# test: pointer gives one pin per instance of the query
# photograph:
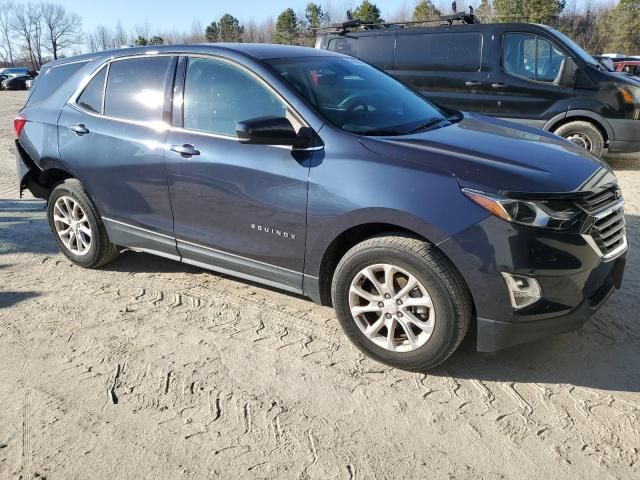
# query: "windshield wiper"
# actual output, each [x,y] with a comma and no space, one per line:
[428,124]
[381,132]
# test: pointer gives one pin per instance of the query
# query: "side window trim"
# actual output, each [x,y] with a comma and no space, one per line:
[536,37]
[179,120]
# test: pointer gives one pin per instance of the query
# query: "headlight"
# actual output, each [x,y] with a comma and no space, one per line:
[556,214]
[630,93]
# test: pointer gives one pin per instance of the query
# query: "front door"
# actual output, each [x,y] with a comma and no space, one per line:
[238,208]
[525,79]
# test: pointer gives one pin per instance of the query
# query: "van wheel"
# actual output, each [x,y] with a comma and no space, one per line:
[584,134]
[77,226]
[401,302]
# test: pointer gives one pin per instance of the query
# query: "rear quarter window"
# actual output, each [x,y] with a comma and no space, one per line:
[454,52]
[51,79]
[374,49]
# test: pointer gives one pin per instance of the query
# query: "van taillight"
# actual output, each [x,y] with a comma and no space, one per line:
[18,125]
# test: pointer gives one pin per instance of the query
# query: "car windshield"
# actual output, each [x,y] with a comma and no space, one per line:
[357,97]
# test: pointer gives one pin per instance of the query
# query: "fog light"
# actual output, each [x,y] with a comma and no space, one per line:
[524,291]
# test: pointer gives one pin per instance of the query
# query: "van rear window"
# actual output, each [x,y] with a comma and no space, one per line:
[51,79]
[457,52]
[374,49]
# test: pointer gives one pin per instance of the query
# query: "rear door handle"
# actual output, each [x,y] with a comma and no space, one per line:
[187,150]
[499,86]
[79,129]
[473,83]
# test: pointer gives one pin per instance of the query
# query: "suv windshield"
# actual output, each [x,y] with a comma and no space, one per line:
[358,98]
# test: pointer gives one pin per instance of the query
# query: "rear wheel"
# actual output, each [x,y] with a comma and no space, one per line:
[584,134]
[77,226]
[401,302]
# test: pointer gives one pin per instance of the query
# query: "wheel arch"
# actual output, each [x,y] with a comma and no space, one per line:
[582,116]
[350,237]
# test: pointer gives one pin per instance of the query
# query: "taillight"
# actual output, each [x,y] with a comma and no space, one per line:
[18,124]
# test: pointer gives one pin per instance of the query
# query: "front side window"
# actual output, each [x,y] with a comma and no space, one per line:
[217,96]
[531,57]
[135,88]
[357,97]
[91,97]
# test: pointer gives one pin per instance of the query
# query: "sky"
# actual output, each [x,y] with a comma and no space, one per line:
[180,14]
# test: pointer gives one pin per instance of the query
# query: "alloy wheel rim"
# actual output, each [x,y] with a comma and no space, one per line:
[580,139]
[391,307]
[72,225]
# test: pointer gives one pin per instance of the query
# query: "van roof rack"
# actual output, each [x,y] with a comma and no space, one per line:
[356,24]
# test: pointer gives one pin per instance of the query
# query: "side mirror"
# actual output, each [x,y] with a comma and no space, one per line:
[567,73]
[272,130]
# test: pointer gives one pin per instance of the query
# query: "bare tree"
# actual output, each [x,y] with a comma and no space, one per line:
[27,23]
[6,11]
[64,29]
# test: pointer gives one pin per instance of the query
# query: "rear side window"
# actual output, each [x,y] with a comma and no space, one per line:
[135,88]
[374,49]
[51,79]
[91,97]
[453,52]
[531,57]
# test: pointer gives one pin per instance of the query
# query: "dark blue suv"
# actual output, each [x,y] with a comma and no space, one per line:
[313,172]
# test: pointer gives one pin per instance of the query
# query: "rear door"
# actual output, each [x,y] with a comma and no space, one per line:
[236,207]
[524,78]
[114,143]
[446,67]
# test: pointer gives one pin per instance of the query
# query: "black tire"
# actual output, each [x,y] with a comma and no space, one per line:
[583,133]
[449,294]
[101,250]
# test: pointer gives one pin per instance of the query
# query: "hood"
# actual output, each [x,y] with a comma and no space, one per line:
[496,156]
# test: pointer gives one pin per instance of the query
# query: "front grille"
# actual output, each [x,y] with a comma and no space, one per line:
[608,231]
[600,200]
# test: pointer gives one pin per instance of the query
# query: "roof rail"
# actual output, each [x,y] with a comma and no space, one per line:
[356,24]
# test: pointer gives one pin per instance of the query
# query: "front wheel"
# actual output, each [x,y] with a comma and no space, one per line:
[583,134]
[77,226]
[400,301]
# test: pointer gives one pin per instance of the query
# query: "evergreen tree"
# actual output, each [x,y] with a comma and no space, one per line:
[287,29]
[314,18]
[366,12]
[484,10]
[212,33]
[141,41]
[156,40]
[533,11]
[425,10]
[229,28]
[623,28]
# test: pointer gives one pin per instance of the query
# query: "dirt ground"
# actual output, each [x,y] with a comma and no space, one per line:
[153,369]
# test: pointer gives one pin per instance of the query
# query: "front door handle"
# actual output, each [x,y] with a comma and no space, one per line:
[187,150]
[473,84]
[79,129]
[499,86]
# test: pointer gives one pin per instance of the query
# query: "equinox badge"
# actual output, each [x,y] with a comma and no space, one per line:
[273,231]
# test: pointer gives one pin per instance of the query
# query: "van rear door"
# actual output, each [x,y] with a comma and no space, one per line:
[445,66]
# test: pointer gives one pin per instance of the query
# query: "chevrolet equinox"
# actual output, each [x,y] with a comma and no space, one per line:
[313,172]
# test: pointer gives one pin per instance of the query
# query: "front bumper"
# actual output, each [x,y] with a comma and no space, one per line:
[627,135]
[574,278]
